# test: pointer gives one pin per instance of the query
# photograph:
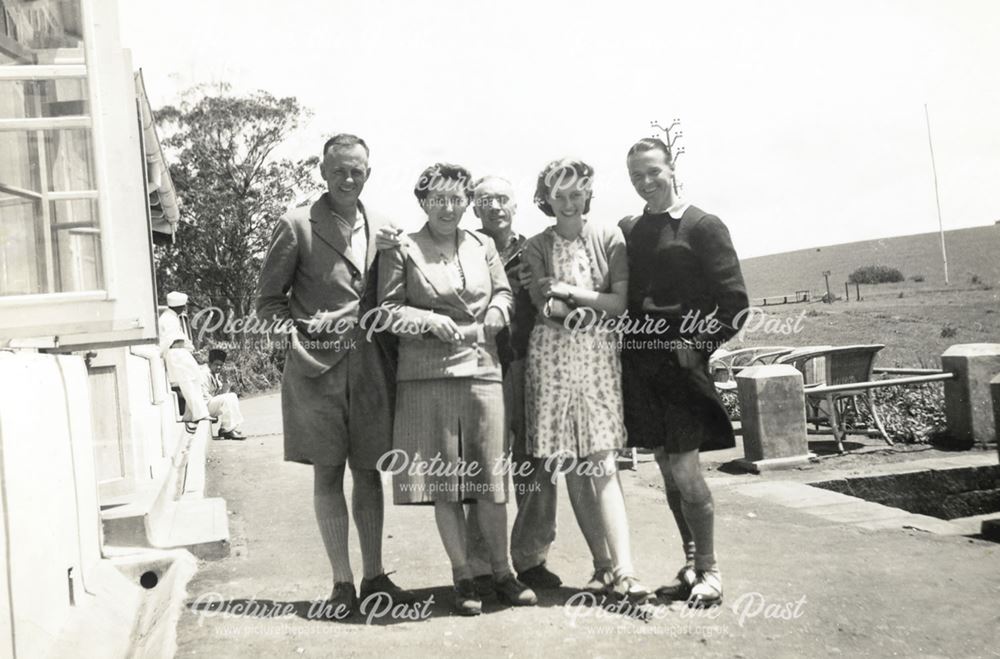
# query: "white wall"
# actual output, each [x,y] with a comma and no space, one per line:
[50,508]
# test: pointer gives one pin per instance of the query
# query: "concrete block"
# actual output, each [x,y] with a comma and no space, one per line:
[773,417]
[995,394]
[968,402]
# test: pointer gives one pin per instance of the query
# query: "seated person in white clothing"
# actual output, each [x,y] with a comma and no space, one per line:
[183,370]
[222,403]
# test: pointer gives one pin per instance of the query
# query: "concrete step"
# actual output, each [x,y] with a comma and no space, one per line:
[199,525]
[172,512]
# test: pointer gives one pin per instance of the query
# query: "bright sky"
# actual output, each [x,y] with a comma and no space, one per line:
[803,121]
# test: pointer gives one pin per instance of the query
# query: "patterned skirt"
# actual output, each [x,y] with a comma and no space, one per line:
[573,393]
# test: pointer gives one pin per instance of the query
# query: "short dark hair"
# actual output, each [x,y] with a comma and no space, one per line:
[557,169]
[345,141]
[216,355]
[652,144]
[443,171]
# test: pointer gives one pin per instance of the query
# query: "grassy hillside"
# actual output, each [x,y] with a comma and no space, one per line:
[974,251]
[916,321]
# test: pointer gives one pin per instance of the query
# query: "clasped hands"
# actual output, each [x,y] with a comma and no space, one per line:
[447,330]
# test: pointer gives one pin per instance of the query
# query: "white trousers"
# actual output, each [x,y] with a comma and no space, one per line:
[183,370]
[227,408]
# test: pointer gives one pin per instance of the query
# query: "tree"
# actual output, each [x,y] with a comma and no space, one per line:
[232,189]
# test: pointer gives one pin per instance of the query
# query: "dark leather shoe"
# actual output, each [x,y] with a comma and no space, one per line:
[383,584]
[539,577]
[341,603]
[467,601]
[231,434]
[484,585]
[513,592]
[680,587]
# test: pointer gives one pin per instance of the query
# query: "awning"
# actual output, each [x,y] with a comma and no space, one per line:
[162,197]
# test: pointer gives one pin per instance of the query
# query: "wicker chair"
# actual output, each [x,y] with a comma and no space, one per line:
[842,366]
[724,364]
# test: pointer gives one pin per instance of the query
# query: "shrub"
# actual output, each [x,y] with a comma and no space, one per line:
[875,274]
[250,368]
[731,401]
[948,331]
[917,278]
[910,414]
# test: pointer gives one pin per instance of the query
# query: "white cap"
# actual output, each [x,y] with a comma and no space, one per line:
[175,299]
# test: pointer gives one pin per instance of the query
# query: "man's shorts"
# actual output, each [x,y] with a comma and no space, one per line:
[343,415]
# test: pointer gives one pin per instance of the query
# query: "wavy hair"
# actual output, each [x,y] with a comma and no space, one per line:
[561,173]
[443,172]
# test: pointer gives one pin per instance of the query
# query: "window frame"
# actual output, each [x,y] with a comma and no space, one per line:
[123,310]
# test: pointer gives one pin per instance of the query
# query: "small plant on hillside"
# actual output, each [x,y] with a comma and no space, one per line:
[917,278]
[948,331]
[978,282]
[875,274]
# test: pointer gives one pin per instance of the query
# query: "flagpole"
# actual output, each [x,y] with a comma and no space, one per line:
[937,196]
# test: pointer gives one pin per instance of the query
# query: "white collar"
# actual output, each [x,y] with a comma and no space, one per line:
[676,211]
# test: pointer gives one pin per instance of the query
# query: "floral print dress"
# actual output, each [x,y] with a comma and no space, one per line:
[573,385]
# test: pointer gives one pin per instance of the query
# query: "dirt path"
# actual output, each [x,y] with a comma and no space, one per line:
[855,592]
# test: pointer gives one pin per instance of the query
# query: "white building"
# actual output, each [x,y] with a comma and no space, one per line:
[100,483]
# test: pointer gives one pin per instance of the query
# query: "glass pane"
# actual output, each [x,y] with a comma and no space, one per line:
[21,99]
[55,160]
[58,252]
[68,154]
[19,160]
[40,32]
[76,246]
[22,247]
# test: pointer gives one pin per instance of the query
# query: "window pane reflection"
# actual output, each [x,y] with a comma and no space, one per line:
[76,246]
[21,99]
[50,239]
[41,32]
